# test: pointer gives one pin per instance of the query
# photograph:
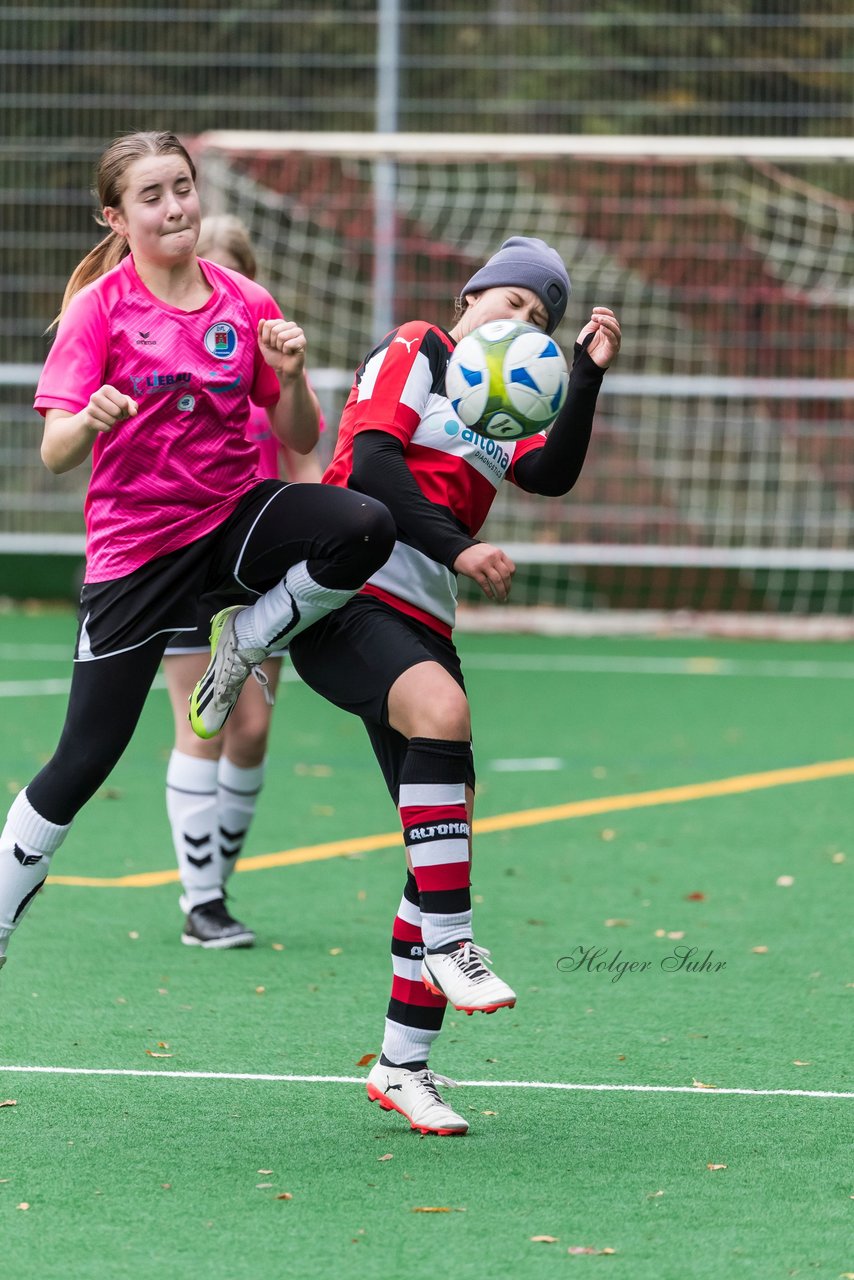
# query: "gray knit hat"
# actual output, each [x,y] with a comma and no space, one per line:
[530,264]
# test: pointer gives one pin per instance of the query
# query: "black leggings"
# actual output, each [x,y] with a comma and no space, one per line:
[345,537]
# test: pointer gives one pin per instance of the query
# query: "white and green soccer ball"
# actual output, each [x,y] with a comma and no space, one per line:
[507,380]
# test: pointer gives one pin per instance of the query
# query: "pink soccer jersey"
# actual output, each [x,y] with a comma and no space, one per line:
[169,475]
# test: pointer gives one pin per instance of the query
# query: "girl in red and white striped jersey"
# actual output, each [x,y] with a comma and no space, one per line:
[388,655]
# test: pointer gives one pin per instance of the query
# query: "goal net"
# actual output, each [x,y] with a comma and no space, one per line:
[721,473]
[720,478]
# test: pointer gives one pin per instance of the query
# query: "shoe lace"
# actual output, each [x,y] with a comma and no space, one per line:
[429,1079]
[472,960]
[264,681]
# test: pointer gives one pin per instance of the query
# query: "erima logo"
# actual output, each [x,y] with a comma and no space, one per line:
[145,339]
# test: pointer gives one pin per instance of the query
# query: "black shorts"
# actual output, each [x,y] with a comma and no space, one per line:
[353,657]
[162,596]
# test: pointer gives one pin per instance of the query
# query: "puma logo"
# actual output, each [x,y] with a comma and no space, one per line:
[408,344]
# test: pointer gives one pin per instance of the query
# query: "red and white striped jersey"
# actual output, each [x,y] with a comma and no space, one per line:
[400,389]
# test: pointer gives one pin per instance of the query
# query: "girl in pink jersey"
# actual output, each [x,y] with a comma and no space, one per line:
[212,785]
[156,360]
[388,656]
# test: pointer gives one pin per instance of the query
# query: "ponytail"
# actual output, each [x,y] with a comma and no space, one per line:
[107,254]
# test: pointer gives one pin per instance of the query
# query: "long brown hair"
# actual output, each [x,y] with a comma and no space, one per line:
[109,188]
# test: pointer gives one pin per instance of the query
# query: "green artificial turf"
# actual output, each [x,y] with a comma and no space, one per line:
[97,979]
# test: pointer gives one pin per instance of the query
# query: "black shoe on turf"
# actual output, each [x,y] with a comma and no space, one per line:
[211,926]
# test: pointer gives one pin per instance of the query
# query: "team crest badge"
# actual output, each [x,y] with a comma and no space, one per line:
[221,340]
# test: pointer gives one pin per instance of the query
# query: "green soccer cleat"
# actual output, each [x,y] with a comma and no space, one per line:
[214,697]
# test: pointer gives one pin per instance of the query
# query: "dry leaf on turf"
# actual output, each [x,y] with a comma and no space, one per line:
[698,1084]
[284,1195]
[152,1054]
[617,924]
[653,1195]
[586,1248]
[263,1170]
[263,1186]
[785,882]
[759,951]
[432,1208]
[713,1167]
[695,897]
[797,1063]
[544,1239]
[387,1156]
[22,1205]
[365,1059]
[10,1102]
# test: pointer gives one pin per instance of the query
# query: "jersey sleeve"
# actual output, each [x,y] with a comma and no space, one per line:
[262,306]
[398,378]
[77,360]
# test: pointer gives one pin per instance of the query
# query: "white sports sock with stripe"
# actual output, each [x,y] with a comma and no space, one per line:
[27,844]
[286,610]
[191,802]
[237,797]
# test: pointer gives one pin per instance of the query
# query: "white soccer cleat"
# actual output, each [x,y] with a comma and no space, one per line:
[415,1096]
[461,976]
[214,697]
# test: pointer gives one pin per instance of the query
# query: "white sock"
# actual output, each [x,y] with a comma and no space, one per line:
[407,1044]
[237,796]
[286,610]
[191,802]
[27,843]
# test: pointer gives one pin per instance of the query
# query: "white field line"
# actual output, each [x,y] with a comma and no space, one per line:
[478,1084]
[542,663]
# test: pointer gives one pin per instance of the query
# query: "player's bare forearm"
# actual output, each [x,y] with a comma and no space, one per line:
[69,437]
[295,419]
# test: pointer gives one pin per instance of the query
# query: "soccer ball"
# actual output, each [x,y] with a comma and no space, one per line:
[507,380]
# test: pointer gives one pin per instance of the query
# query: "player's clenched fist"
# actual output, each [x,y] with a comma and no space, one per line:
[107,406]
[282,344]
[489,567]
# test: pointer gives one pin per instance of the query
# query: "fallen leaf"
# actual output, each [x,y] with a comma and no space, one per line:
[695,897]
[430,1208]
[676,934]
[838,857]
[263,1171]
[133,934]
[10,1102]
[698,1084]
[617,924]
[785,882]
[365,1059]
[152,1054]
[715,1166]
[167,1186]
[544,1239]
[653,1195]
[336,951]
[759,951]
[263,1186]
[580,1248]
[284,1195]
[22,1205]
[660,933]
[259,991]
[621,1057]
[161,1044]
[387,1156]
[797,1063]
[489,1113]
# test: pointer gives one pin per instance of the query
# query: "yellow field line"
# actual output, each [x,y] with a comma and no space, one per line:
[502,822]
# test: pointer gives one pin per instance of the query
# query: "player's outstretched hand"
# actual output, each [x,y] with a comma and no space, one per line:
[605,327]
[489,567]
[282,344]
[106,407]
